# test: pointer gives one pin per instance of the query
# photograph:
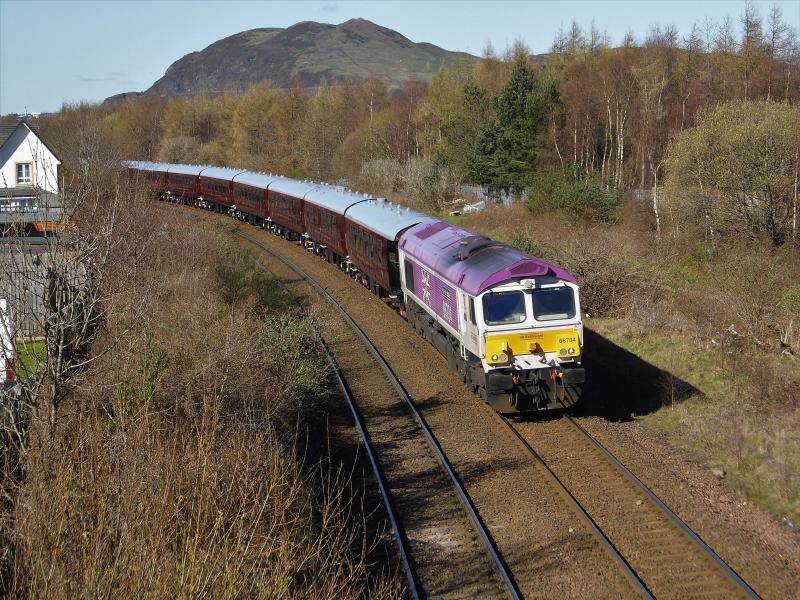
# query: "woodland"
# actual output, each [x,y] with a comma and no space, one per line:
[591,114]
[146,454]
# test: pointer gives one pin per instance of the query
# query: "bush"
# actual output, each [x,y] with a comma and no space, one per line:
[609,286]
[735,172]
[791,301]
[584,199]
[176,467]
[525,241]
[239,278]
[426,185]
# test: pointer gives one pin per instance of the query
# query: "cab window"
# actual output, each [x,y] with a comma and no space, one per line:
[550,304]
[503,307]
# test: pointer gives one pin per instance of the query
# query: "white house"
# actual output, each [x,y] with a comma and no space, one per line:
[29,198]
[25,160]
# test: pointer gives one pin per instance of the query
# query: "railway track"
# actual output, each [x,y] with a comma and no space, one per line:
[388,502]
[664,556]
[419,584]
[660,555]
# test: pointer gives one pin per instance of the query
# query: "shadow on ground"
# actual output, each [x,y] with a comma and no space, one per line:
[620,385]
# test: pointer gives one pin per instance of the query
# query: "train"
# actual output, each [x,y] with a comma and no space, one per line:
[508,323]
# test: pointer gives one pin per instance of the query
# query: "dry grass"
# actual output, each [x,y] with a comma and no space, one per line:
[176,466]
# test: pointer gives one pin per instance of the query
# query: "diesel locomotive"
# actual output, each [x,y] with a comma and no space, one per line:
[509,324]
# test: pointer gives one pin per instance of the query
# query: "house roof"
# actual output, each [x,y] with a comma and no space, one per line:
[8,129]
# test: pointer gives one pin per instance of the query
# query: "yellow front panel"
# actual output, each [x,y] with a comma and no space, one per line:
[520,343]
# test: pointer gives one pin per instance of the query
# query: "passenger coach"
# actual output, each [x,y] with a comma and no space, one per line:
[216,186]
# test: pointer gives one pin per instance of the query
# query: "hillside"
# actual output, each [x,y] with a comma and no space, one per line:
[305,54]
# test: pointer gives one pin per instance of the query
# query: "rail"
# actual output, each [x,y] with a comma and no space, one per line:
[637,583]
[377,471]
[388,503]
[726,569]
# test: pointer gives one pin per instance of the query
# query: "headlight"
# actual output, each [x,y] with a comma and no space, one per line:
[572,350]
[495,357]
[563,351]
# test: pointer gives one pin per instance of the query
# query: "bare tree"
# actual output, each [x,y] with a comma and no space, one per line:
[66,288]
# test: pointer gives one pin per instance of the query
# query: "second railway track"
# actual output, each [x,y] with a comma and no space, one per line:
[426,509]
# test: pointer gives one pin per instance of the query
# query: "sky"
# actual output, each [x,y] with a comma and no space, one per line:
[52,52]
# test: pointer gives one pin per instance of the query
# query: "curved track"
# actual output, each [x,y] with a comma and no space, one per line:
[388,503]
[470,509]
[677,563]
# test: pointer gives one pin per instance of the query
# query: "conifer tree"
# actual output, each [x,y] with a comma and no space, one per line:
[505,150]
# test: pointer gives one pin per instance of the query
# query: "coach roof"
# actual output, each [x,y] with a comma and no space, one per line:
[292,187]
[224,173]
[146,165]
[185,169]
[385,218]
[258,180]
[334,198]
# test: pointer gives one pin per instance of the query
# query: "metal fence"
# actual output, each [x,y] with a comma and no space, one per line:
[489,196]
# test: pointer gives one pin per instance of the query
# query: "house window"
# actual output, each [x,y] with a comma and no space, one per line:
[23,173]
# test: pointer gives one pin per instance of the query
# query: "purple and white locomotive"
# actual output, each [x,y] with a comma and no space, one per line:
[508,323]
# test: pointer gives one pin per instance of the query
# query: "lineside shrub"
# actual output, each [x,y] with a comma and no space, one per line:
[584,199]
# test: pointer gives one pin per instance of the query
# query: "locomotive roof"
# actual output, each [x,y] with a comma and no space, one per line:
[259,180]
[185,169]
[472,262]
[385,218]
[292,187]
[334,198]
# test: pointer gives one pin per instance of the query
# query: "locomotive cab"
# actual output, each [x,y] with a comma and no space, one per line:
[531,344]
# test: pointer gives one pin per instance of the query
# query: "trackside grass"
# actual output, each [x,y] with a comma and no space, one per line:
[176,467]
